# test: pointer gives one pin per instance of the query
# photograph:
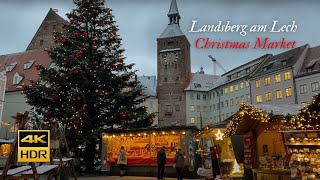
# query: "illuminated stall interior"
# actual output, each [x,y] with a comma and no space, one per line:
[142,146]
[214,136]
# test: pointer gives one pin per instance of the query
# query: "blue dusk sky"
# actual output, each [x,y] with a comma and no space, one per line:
[142,21]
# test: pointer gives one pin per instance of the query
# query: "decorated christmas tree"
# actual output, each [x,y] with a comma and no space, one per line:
[89,88]
[309,116]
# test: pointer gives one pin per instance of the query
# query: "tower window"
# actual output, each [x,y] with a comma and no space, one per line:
[175,66]
[165,67]
[41,42]
[165,79]
[177,78]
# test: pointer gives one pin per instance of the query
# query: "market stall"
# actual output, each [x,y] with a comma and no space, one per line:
[302,140]
[213,136]
[142,146]
[265,154]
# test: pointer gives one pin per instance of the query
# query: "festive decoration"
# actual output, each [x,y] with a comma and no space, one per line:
[245,110]
[219,135]
[89,58]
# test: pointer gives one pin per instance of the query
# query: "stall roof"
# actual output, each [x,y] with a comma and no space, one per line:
[150,129]
[281,109]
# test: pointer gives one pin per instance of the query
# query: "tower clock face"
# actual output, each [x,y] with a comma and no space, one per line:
[170,58]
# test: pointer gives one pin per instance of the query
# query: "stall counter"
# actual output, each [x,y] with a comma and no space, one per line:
[278,174]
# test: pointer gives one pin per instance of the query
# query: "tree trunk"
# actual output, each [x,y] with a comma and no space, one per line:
[89,156]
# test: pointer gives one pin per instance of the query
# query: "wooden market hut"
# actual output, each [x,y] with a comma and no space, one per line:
[251,123]
[142,146]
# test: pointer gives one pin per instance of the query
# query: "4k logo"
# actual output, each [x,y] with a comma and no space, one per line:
[34,146]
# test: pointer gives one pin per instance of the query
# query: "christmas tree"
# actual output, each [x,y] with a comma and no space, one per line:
[90,88]
[309,116]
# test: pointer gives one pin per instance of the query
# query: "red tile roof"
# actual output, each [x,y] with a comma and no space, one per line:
[21,58]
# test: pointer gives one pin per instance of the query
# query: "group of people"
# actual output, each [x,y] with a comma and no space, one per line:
[178,163]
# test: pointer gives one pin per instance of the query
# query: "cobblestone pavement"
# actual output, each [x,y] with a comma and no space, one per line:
[124,178]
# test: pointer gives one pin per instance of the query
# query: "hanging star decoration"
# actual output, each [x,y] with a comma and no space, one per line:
[219,135]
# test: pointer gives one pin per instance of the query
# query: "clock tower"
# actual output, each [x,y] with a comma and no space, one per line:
[173,68]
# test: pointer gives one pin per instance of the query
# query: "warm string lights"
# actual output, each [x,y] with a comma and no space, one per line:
[249,111]
[132,135]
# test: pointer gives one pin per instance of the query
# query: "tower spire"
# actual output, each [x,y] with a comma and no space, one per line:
[173,13]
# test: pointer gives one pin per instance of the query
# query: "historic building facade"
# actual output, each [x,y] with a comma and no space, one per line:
[173,70]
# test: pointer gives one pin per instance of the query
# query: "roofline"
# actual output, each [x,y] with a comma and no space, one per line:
[264,56]
[306,74]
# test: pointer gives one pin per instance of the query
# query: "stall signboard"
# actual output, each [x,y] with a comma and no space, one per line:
[248,152]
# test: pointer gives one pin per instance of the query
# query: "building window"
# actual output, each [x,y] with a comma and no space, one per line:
[237,100]
[192,120]
[204,97]
[242,99]
[268,96]
[165,67]
[258,83]
[192,108]
[277,78]
[231,102]
[259,98]
[267,81]
[204,108]
[226,90]
[303,89]
[15,80]
[218,106]
[236,87]
[247,84]
[213,107]
[168,109]
[287,75]
[178,78]
[41,42]
[227,115]
[210,108]
[177,107]
[222,105]
[198,96]
[209,96]
[284,62]
[221,92]
[315,86]
[198,108]
[231,89]
[180,98]
[279,94]
[288,91]
[165,79]
[175,66]
[191,96]
[227,103]
[213,95]
[151,104]
[198,120]
[241,85]
[248,97]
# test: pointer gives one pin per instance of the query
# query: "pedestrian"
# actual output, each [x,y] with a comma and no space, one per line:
[122,160]
[215,161]
[161,160]
[179,163]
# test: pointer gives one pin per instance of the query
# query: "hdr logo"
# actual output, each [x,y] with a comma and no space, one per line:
[33,146]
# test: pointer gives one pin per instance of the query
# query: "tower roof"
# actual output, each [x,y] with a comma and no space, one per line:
[173,9]
[173,28]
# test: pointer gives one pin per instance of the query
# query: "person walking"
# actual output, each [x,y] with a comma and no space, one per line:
[122,160]
[161,160]
[179,162]
[215,161]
